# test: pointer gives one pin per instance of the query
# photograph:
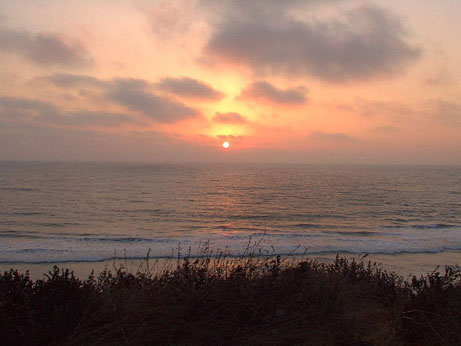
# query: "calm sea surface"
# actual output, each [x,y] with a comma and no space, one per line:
[58,212]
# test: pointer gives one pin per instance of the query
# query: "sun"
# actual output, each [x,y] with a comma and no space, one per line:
[226,145]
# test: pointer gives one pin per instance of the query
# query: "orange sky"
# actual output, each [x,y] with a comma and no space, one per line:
[337,81]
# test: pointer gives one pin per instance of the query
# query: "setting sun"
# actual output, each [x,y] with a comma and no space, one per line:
[226,145]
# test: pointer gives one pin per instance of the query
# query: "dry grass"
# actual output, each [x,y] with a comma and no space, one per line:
[244,301]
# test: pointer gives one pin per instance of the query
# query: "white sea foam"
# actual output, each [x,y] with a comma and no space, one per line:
[69,249]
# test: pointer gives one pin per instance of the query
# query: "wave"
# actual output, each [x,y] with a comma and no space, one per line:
[34,213]
[51,257]
[440,226]
[97,248]
[128,240]
[360,233]
[435,226]
[17,188]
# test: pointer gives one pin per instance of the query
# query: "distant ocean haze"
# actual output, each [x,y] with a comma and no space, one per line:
[77,212]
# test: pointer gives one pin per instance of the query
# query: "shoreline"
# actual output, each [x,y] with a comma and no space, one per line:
[403,264]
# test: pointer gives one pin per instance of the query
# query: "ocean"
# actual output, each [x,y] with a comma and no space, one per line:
[90,212]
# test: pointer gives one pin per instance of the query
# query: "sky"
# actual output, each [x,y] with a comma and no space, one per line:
[295,81]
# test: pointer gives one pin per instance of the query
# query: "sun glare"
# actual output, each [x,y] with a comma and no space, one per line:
[226,145]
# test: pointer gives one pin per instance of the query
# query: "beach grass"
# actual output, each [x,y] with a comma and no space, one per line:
[250,300]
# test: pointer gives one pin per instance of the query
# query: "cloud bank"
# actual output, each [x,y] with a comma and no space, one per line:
[231,118]
[266,92]
[69,80]
[22,111]
[367,41]
[135,95]
[320,136]
[189,88]
[43,49]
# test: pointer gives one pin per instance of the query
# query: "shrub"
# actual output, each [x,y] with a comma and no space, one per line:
[245,301]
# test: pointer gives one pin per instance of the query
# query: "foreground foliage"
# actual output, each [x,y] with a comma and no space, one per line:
[246,301]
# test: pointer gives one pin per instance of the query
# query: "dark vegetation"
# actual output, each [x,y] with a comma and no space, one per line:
[246,301]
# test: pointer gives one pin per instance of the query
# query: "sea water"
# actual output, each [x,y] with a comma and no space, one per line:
[84,212]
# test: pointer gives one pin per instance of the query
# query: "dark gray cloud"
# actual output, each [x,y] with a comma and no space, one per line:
[436,111]
[231,117]
[68,80]
[444,112]
[232,138]
[331,137]
[22,111]
[135,95]
[368,41]
[63,143]
[87,118]
[256,8]
[189,88]
[264,91]
[43,49]
[14,105]
[378,108]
